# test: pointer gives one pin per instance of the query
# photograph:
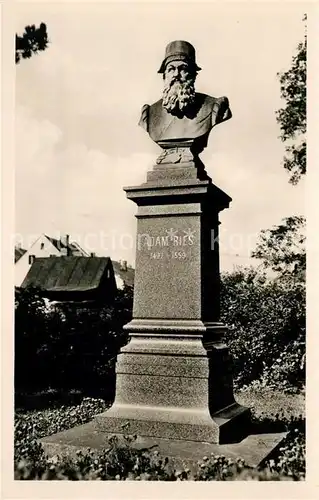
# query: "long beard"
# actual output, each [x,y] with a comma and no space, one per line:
[178,96]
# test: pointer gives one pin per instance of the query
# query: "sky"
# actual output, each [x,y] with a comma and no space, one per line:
[78,104]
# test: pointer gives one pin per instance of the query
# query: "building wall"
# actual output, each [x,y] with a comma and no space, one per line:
[119,281]
[42,247]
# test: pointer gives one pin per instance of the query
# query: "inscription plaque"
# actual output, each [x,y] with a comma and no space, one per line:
[170,247]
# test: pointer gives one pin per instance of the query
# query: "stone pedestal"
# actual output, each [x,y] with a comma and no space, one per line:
[174,378]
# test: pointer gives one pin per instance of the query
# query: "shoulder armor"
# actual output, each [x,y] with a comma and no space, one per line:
[144,117]
[224,112]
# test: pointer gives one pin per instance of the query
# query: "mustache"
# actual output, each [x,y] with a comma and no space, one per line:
[175,79]
[179,79]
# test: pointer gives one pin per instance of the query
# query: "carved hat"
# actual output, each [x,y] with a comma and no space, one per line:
[179,50]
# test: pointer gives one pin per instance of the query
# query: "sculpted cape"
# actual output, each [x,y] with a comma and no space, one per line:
[169,130]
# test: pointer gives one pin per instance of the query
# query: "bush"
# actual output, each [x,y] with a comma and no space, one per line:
[266,335]
[67,346]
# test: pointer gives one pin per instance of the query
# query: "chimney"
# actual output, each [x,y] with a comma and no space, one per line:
[65,241]
[123,265]
[18,245]
[92,254]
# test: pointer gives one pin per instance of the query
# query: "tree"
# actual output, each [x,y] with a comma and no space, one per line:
[292,117]
[31,42]
[282,248]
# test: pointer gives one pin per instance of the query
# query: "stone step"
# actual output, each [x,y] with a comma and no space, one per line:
[254,449]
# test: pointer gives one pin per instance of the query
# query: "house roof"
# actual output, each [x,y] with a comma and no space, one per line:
[67,274]
[18,252]
[127,276]
[72,246]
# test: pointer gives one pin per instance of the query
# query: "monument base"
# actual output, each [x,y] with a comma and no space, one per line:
[255,449]
[170,387]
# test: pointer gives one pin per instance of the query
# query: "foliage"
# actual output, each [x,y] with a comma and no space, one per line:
[292,118]
[71,348]
[288,371]
[291,461]
[33,425]
[266,329]
[121,461]
[31,42]
[67,346]
[282,248]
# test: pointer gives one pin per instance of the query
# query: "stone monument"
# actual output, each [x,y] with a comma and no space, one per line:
[174,377]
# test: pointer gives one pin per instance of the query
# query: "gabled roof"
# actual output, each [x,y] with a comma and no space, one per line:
[71,247]
[127,276]
[18,252]
[67,274]
[75,247]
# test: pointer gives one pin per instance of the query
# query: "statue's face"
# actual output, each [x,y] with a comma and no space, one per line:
[177,70]
[179,91]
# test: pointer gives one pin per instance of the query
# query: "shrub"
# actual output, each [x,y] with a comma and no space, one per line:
[67,346]
[266,335]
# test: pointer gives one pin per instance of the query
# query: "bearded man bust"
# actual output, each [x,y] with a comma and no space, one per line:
[181,121]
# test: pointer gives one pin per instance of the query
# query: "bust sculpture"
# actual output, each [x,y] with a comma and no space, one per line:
[181,121]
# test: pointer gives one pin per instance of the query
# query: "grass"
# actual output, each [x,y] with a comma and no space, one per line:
[270,402]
